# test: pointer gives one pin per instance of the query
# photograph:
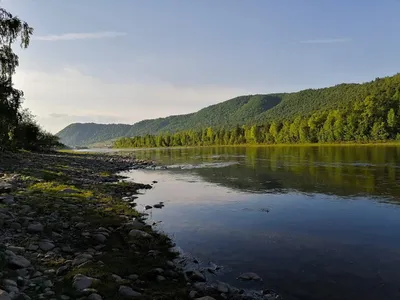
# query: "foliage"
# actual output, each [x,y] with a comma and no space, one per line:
[262,110]
[371,118]
[17,126]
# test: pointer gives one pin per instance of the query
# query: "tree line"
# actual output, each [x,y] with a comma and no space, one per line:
[18,128]
[374,118]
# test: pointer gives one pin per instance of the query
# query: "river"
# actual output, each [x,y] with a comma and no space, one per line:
[313,222]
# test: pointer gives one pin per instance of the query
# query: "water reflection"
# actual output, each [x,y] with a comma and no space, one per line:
[344,171]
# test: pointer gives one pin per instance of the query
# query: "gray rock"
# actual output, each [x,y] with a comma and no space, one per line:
[127,292]
[62,270]
[65,297]
[35,228]
[205,298]
[148,207]
[196,275]
[4,295]
[9,282]
[33,247]
[18,262]
[133,277]
[15,226]
[82,258]
[135,233]
[222,287]
[5,187]
[134,225]
[47,283]
[160,278]
[250,276]
[193,294]
[100,238]
[7,199]
[95,296]
[116,278]
[82,282]
[46,245]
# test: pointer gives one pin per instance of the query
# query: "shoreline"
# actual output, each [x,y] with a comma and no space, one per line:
[68,229]
[341,144]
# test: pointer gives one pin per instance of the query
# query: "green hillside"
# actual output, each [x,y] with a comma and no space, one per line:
[243,110]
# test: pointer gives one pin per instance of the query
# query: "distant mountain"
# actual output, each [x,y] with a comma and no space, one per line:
[251,109]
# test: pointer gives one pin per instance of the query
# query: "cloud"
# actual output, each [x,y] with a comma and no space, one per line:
[79,36]
[66,96]
[326,41]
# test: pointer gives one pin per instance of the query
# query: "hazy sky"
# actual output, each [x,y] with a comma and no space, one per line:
[121,61]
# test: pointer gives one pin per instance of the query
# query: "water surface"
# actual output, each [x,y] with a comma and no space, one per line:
[313,222]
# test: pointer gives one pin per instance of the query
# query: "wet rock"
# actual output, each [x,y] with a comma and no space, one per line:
[222,287]
[159,205]
[134,225]
[250,276]
[35,228]
[148,207]
[127,292]
[46,245]
[205,298]
[18,262]
[135,233]
[196,275]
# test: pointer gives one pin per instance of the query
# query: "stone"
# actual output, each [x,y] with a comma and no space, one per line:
[158,205]
[250,276]
[95,296]
[47,283]
[4,295]
[82,282]
[134,225]
[15,226]
[196,275]
[67,249]
[148,207]
[82,258]
[133,277]
[5,187]
[62,270]
[33,247]
[100,238]
[116,278]
[46,246]
[127,292]
[35,228]
[65,297]
[160,278]
[222,287]
[7,199]
[135,233]
[193,294]
[205,298]
[19,262]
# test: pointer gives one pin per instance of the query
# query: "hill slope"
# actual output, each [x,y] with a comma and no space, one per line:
[251,109]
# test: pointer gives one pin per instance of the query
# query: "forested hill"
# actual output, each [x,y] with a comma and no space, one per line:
[252,109]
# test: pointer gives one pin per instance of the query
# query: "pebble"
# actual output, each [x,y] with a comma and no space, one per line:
[127,292]
[95,296]
[35,228]
[46,246]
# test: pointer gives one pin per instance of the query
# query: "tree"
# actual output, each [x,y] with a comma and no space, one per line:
[11,28]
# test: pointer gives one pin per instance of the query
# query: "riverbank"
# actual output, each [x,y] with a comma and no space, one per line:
[338,144]
[69,230]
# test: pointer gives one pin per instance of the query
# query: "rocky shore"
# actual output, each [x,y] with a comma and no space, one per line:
[69,230]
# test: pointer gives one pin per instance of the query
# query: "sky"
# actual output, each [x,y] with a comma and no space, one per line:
[122,61]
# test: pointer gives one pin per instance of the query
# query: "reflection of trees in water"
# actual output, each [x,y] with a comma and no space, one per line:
[341,170]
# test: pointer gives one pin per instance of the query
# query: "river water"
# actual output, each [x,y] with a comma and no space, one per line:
[313,222]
